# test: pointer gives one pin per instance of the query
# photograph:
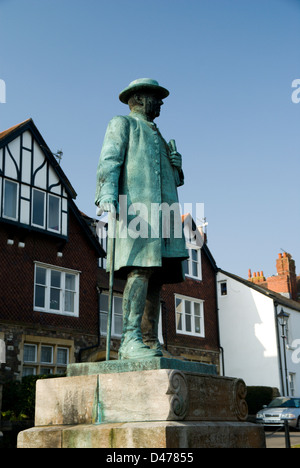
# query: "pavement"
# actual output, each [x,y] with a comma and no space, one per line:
[277,439]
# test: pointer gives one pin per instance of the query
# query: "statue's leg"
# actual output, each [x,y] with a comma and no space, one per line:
[149,325]
[134,300]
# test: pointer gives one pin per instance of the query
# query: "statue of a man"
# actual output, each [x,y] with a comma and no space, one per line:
[137,173]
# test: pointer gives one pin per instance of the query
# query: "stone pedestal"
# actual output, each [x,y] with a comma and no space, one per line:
[148,435]
[146,408]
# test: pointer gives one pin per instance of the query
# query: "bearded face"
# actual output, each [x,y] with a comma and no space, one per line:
[147,104]
[152,105]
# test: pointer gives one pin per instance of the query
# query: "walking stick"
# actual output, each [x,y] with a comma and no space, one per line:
[112,228]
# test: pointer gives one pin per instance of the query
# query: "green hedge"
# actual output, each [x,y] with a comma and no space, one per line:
[257,397]
[18,399]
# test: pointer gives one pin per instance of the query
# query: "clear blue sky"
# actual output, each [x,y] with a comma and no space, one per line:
[229,66]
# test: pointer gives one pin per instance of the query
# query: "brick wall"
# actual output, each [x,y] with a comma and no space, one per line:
[17,277]
[284,282]
[17,317]
[206,348]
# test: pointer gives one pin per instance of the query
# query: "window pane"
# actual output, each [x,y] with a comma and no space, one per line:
[103,323]
[40,275]
[62,356]
[179,321]
[187,308]
[118,306]
[197,325]
[54,213]
[195,269]
[54,299]
[55,278]
[29,353]
[69,301]
[70,282]
[38,208]
[185,267]
[46,354]
[40,296]
[118,322]
[179,304]
[28,371]
[194,255]
[197,309]
[188,318]
[188,323]
[46,370]
[104,302]
[224,289]
[10,199]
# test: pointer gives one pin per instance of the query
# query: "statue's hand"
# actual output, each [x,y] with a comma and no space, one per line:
[107,206]
[176,160]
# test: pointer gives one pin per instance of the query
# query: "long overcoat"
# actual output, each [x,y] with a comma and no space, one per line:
[134,169]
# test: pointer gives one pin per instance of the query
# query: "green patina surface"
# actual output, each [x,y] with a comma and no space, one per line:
[133,365]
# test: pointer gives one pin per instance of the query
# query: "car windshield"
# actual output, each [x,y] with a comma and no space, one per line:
[285,403]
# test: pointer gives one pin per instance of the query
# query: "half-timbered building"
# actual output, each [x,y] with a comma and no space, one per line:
[49,260]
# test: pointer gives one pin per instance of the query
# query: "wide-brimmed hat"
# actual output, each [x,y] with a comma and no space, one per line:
[141,84]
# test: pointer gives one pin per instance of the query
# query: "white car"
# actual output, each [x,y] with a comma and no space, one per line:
[279,410]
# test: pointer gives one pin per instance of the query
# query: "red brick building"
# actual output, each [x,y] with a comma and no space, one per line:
[284,282]
[49,260]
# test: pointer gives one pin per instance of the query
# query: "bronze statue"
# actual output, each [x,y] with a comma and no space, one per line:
[137,173]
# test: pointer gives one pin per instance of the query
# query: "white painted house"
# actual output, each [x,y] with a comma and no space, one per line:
[256,347]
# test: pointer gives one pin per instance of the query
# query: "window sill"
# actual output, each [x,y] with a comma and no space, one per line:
[195,278]
[195,335]
[57,312]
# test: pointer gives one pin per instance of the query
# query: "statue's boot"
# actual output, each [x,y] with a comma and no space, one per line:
[149,325]
[134,299]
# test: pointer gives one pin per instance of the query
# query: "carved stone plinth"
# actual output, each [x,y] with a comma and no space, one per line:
[144,408]
[159,395]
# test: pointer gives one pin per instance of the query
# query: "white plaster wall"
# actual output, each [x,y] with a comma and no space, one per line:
[248,334]
[293,347]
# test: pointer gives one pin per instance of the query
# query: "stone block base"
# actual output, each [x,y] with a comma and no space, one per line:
[160,434]
[149,404]
[153,395]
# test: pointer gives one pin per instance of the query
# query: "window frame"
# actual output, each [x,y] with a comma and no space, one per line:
[223,288]
[49,195]
[35,353]
[104,312]
[62,290]
[37,366]
[192,301]
[192,247]
[40,226]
